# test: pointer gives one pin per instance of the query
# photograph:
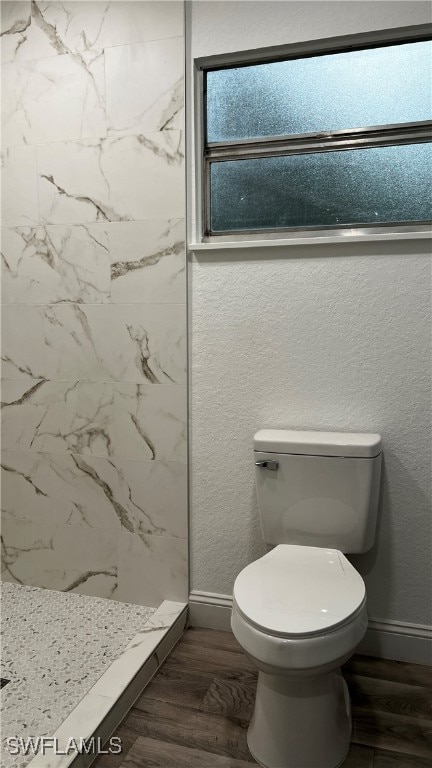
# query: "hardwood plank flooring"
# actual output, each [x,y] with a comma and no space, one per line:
[195,712]
[150,752]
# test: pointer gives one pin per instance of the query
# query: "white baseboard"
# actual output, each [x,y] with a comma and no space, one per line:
[384,639]
[207,609]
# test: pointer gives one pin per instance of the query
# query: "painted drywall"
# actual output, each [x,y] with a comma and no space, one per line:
[94,477]
[311,337]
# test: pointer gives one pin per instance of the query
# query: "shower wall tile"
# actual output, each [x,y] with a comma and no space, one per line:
[61,557]
[145,343]
[94,431]
[148,261]
[71,26]
[19,206]
[151,569]
[57,489]
[101,419]
[148,497]
[53,100]
[144,87]
[44,265]
[15,30]
[128,262]
[67,27]
[116,179]
[130,567]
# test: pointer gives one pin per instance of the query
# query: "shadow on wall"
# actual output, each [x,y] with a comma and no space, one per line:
[366,563]
[384,557]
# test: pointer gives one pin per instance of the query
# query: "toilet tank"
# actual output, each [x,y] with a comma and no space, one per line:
[318,489]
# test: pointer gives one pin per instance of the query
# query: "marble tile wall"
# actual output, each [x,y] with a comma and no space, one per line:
[94,496]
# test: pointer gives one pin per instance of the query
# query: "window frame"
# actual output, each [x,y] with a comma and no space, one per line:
[324,141]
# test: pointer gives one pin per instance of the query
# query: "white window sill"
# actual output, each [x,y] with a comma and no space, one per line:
[345,239]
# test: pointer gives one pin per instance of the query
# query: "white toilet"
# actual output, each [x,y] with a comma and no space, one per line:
[300,610]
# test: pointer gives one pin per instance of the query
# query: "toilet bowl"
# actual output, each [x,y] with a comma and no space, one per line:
[299,613]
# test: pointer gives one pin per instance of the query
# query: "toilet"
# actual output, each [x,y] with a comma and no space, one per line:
[300,610]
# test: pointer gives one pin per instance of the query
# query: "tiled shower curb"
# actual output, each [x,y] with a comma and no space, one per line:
[102,709]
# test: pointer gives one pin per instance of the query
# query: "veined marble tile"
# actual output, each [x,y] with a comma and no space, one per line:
[151,569]
[132,22]
[67,27]
[148,261]
[122,671]
[147,172]
[64,557]
[80,724]
[95,342]
[143,421]
[154,494]
[144,86]
[63,27]
[44,265]
[54,488]
[114,179]
[19,205]
[15,30]
[140,496]
[53,99]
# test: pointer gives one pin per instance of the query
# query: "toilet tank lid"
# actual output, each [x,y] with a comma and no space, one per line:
[350,444]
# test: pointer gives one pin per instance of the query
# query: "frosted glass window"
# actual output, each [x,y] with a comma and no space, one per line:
[362,186]
[337,91]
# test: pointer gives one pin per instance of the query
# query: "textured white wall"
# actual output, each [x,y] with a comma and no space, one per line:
[317,337]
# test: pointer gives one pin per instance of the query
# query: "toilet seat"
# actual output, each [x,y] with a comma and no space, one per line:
[299,592]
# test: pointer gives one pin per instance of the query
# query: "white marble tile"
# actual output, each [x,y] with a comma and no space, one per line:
[132,22]
[79,725]
[148,497]
[131,342]
[123,420]
[19,204]
[23,353]
[148,261]
[143,496]
[153,494]
[144,87]
[64,557]
[15,30]
[53,99]
[151,569]
[146,174]
[115,179]
[73,185]
[120,673]
[63,27]
[44,265]
[121,342]
[58,489]
[67,27]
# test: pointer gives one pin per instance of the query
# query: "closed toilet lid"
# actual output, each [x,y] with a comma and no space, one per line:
[296,590]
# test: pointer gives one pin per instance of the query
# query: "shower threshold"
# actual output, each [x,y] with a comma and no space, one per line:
[74,665]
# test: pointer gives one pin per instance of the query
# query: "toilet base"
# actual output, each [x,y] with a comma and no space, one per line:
[300,722]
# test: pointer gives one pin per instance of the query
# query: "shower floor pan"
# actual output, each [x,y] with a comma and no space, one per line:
[74,665]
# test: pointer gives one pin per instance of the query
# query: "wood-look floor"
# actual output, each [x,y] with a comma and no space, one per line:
[195,712]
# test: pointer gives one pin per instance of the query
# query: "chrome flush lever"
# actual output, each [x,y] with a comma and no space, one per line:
[267,464]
